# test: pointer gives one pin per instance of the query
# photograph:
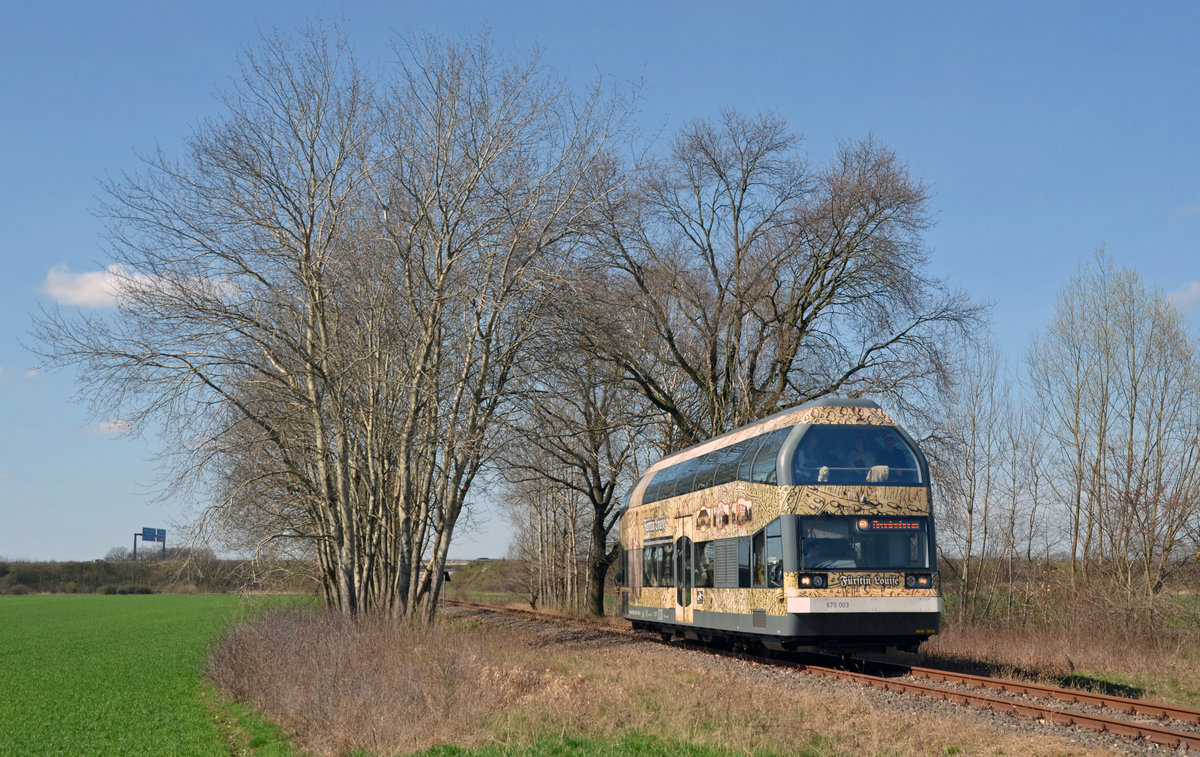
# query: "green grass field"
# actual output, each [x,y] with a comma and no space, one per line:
[108,675]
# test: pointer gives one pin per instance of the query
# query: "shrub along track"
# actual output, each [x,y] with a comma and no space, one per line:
[1119,716]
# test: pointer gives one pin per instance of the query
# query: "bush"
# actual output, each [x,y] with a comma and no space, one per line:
[214,576]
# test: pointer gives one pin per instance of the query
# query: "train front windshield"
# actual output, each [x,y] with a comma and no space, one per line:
[864,542]
[855,455]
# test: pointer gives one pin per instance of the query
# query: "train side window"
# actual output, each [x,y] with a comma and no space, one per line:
[685,474]
[704,565]
[671,482]
[758,558]
[746,465]
[704,474]
[765,459]
[767,556]
[666,487]
[658,565]
[730,458]
[774,545]
[654,490]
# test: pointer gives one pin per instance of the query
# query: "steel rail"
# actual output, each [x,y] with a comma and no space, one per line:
[1073,696]
[1129,729]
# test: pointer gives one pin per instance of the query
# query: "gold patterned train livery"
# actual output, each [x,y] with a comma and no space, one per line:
[809,529]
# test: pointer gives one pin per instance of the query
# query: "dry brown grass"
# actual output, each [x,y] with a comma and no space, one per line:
[342,686]
[1161,667]
[1093,632]
[1062,650]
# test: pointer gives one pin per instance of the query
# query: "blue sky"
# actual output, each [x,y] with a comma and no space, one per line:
[1044,129]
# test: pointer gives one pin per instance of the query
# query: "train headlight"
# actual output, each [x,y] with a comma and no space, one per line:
[813,581]
[910,581]
[918,580]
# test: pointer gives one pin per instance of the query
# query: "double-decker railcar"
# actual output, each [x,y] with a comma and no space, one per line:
[810,529]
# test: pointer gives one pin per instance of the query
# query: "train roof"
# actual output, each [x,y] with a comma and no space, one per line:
[791,416]
[858,411]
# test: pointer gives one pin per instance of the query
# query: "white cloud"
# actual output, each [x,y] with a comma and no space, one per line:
[103,288]
[116,426]
[1186,297]
[8,373]
[92,289]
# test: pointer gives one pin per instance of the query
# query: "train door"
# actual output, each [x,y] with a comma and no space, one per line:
[684,573]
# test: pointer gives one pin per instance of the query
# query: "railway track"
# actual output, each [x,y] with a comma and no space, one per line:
[1020,702]
[1123,705]
[569,621]
[1119,716]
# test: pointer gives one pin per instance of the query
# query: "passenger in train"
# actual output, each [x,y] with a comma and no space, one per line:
[859,456]
[774,573]
[894,458]
[809,458]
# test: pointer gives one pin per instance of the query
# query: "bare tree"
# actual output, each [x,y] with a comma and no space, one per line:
[1025,527]
[1152,486]
[580,428]
[228,260]
[1117,375]
[549,542]
[496,170]
[327,299]
[970,466]
[743,280]
[1070,373]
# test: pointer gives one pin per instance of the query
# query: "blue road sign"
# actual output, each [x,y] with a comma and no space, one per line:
[160,535]
[149,534]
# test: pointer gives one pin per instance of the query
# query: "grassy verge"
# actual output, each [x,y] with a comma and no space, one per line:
[473,687]
[244,730]
[102,675]
[636,745]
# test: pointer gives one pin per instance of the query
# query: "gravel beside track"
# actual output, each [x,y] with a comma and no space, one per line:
[914,708]
[1190,724]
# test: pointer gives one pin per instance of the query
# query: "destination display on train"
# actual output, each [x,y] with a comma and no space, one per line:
[871,524]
